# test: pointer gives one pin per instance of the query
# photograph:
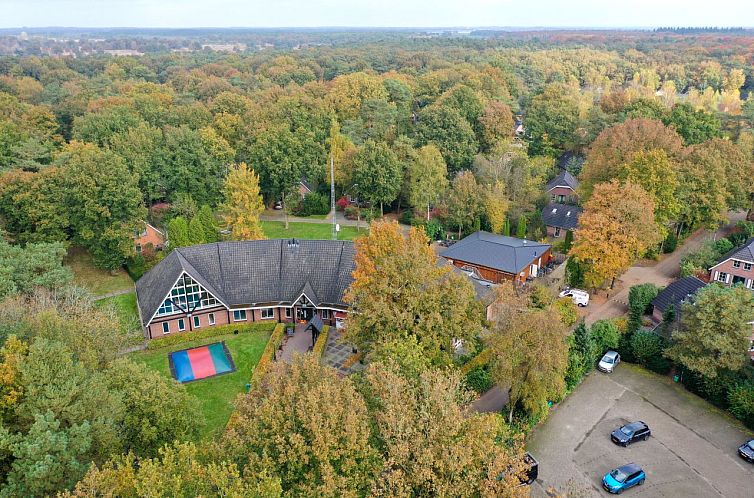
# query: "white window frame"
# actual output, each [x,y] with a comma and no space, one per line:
[267,313]
[211,318]
[181,325]
[325,314]
[197,321]
[722,277]
[238,313]
[747,266]
[165,327]
[736,263]
[557,231]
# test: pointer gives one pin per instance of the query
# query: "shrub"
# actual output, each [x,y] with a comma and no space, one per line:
[567,310]
[479,380]
[216,331]
[671,242]
[319,347]
[574,273]
[578,366]
[315,203]
[722,246]
[407,217]
[136,267]
[434,230]
[276,338]
[741,400]
[351,212]
[480,360]
[647,348]
[568,242]
[341,204]
[639,298]
[604,335]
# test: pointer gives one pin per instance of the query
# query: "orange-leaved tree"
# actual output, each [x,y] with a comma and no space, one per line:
[617,226]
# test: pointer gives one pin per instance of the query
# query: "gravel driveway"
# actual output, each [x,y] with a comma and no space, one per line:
[692,451]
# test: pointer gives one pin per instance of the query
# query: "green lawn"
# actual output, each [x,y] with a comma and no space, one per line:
[96,280]
[215,395]
[125,308]
[299,230]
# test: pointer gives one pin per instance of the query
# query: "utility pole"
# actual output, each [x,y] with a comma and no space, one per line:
[332,199]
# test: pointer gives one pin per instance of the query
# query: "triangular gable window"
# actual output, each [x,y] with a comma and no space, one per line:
[304,301]
[186,296]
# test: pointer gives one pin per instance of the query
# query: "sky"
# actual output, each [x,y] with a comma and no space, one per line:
[374,13]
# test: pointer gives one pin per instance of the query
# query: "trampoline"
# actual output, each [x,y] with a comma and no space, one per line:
[201,362]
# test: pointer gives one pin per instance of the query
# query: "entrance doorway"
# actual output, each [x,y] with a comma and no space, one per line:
[304,313]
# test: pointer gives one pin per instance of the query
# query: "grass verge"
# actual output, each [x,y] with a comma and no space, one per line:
[96,280]
[299,230]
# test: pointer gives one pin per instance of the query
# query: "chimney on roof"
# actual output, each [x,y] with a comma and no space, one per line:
[293,243]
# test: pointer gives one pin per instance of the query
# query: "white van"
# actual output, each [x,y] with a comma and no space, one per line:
[580,297]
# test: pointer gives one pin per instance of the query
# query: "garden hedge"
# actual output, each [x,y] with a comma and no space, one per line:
[319,347]
[276,338]
[180,338]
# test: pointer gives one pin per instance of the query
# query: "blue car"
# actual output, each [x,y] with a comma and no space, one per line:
[618,480]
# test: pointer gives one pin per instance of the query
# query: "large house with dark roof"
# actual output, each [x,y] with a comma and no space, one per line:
[736,267]
[249,281]
[495,258]
[562,188]
[559,218]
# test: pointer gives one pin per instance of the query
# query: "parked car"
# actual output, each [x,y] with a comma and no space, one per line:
[625,477]
[579,297]
[608,362]
[746,451]
[630,433]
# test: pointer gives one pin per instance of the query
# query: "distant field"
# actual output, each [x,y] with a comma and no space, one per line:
[125,308]
[97,281]
[215,395]
[322,231]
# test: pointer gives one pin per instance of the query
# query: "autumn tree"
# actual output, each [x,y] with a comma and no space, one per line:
[243,203]
[530,357]
[616,227]
[180,470]
[450,132]
[377,173]
[703,188]
[658,175]
[496,124]
[427,177]
[431,445]
[552,120]
[465,201]
[400,291]
[496,206]
[715,330]
[618,144]
[695,126]
[103,201]
[320,447]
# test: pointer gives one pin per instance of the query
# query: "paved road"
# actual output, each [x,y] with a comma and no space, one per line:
[660,273]
[692,451]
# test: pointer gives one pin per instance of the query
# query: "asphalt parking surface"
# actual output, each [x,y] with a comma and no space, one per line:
[692,451]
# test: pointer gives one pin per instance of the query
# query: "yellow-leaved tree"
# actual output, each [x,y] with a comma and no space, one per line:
[617,226]
[243,203]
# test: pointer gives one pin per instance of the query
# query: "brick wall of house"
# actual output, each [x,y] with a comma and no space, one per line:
[497,276]
[155,328]
[728,268]
[568,193]
[551,232]
[151,236]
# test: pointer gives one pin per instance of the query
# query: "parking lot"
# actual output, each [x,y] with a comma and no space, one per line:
[692,451]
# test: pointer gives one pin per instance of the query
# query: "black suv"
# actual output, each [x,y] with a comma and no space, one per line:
[630,432]
[746,451]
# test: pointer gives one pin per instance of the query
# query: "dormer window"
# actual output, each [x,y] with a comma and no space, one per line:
[554,210]
[568,214]
[736,264]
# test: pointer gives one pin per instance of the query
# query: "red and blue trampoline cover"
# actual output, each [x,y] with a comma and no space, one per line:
[201,362]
